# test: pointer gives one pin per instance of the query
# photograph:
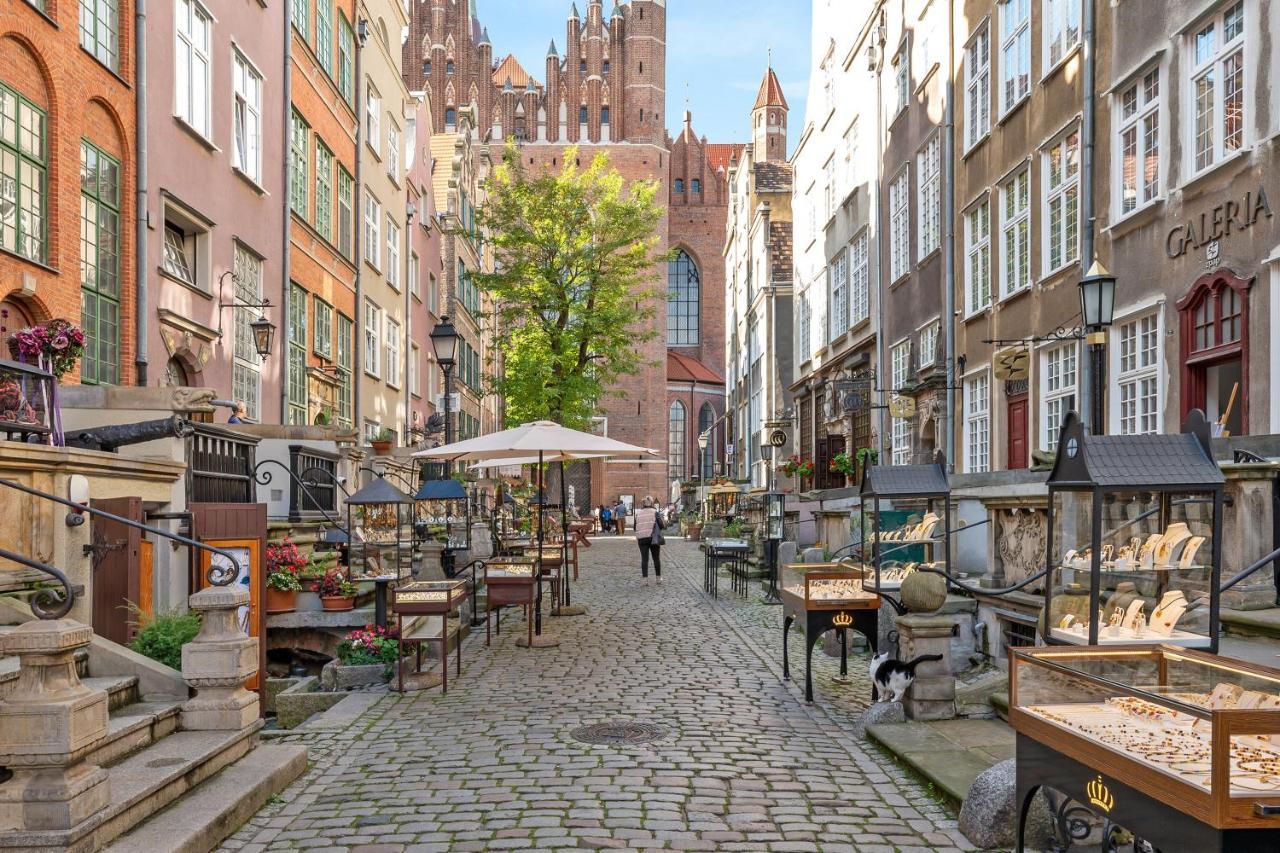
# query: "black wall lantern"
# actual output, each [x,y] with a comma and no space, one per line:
[264,332]
[1097,298]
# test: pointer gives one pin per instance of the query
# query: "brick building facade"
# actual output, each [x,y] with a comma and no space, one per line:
[67,111]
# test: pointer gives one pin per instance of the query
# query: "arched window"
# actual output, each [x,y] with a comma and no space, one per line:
[1215,348]
[582,114]
[706,417]
[695,185]
[684,297]
[679,185]
[449,67]
[604,115]
[450,118]
[676,441]
[426,67]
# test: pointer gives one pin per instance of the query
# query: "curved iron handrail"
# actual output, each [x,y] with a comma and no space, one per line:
[473,565]
[1270,558]
[264,477]
[45,603]
[385,471]
[333,478]
[217,575]
[974,590]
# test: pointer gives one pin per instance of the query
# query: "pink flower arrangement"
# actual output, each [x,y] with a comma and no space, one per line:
[368,645]
[57,345]
[285,557]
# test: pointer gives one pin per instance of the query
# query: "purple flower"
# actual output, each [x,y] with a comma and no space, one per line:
[60,342]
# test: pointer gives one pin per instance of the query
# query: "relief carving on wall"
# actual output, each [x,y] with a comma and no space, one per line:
[1021,537]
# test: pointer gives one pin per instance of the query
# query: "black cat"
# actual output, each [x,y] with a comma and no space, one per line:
[892,676]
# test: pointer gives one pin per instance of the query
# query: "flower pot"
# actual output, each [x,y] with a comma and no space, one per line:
[307,602]
[337,602]
[280,601]
[381,448]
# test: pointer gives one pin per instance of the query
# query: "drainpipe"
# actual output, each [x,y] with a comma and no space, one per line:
[948,239]
[285,267]
[140,193]
[408,321]
[1087,82]
[357,218]
[882,422]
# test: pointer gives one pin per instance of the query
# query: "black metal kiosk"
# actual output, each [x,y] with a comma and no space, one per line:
[378,516]
[916,485]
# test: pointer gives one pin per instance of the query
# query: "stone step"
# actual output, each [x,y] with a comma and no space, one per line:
[199,821]
[143,784]
[121,690]
[135,727]
[1251,623]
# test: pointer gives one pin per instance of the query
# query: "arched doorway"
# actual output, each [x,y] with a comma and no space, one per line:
[14,315]
[175,373]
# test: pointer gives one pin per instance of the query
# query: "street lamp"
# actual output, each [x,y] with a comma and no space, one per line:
[444,340]
[263,333]
[704,438]
[1097,311]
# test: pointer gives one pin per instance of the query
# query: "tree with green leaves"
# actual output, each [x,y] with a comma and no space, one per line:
[573,288]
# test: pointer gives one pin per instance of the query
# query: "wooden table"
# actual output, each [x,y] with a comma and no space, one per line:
[421,600]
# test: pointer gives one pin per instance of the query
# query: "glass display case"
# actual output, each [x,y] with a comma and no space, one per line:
[379,517]
[826,597]
[25,395]
[722,500]
[1134,545]
[442,513]
[924,538]
[419,601]
[1151,736]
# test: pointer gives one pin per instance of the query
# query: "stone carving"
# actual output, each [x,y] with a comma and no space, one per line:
[194,399]
[1021,538]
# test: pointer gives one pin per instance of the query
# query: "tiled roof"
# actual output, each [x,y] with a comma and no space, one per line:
[1151,460]
[770,92]
[510,67]
[780,250]
[721,154]
[904,480]
[682,368]
[773,177]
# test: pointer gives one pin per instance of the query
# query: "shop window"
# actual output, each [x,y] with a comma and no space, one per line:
[1215,349]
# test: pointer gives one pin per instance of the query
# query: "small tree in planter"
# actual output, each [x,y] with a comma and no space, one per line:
[336,592]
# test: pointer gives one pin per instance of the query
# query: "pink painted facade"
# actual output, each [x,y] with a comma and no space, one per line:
[426,291]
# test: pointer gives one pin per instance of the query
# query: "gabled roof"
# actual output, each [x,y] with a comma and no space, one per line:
[379,491]
[682,368]
[721,154]
[905,480]
[773,177]
[770,92]
[510,69]
[1135,461]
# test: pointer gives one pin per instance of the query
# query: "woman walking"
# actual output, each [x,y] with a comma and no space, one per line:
[649,537]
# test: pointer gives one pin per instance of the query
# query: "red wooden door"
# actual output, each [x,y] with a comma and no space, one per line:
[1016,420]
[115,563]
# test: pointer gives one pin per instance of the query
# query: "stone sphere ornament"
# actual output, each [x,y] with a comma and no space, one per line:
[924,592]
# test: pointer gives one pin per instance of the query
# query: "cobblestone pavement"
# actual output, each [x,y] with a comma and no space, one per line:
[744,763]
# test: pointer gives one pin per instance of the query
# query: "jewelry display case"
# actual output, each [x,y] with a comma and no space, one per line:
[442,513]
[1134,539]
[1180,747]
[421,600]
[509,582]
[379,517]
[925,540]
[826,597]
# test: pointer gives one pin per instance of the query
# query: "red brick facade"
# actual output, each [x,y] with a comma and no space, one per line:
[42,62]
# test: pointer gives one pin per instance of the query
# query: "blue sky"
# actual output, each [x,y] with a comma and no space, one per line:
[718,47]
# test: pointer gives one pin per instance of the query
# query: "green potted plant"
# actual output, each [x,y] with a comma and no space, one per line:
[383,441]
[844,463]
[335,591]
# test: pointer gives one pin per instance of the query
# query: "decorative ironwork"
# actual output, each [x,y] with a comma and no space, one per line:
[1072,822]
[46,602]
[220,466]
[264,477]
[1062,332]
[323,497]
[618,733]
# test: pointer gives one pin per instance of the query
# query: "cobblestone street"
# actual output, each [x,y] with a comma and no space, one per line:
[744,764]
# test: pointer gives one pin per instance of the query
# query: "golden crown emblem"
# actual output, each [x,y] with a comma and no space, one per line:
[1100,795]
[842,620]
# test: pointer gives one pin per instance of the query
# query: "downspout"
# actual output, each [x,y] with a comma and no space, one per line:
[408,322]
[286,78]
[882,422]
[1086,180]
[948,238]
[357,218]
[140,193]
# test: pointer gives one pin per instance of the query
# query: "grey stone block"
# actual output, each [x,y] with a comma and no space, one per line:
[989,815]
[335,676]
[876,713]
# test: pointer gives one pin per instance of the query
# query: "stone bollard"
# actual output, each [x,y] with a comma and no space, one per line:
[217,663]
[933,695]
[48,723]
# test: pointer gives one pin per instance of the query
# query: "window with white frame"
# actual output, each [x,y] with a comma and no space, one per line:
[433,289]
[829,177]
[372,116]
[1062,202]
[1015,233]
[393,151]
[1061,30]
[1137,375]
[850,153]
[977,98]
[415,370]
[901,80]
[977,422]
[246,149]
[322,328]
[1057,390]
[372,339]
[929,345]
[900,226]
[192,65]
[859,279]
[393,253]
[838,272]
[804,338]
[246,368]
[415,287]
[977,241]
[1217,87]
[299,399]
[1137,111]
[372,222]
[900,369]
[1015,52]
[393,353]
[929,176]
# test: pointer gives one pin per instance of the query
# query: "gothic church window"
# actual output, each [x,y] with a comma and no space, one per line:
[684,294]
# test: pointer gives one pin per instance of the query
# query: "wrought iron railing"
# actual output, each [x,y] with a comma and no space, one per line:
[47,603]
[321,497]
[301,483]
[220,466]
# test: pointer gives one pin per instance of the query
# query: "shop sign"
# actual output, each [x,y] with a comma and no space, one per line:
[1217,223]
[1011,364]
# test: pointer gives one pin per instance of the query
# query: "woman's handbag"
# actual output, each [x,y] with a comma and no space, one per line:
[656,538]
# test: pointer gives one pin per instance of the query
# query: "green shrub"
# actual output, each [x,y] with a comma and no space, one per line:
[163,635]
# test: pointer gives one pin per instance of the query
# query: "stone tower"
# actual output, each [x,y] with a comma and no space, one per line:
[769,121]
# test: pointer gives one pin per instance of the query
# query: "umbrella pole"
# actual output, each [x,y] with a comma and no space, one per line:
[537,625]
[564,535]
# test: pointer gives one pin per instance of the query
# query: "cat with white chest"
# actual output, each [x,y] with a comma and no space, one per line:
[892,677]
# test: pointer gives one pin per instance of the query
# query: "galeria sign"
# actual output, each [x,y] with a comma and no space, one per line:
[1217,223]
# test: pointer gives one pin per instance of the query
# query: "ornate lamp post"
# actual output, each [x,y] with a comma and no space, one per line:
[1097,312]
[704,438]
[444,340]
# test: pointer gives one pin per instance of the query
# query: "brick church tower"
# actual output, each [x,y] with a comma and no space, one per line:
[605,92]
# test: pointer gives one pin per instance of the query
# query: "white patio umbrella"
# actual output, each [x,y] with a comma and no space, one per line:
[539,442]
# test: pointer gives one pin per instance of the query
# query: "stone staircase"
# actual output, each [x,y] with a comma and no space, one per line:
[144,781]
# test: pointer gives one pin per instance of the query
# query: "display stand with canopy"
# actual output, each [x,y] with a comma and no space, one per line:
[379,517]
